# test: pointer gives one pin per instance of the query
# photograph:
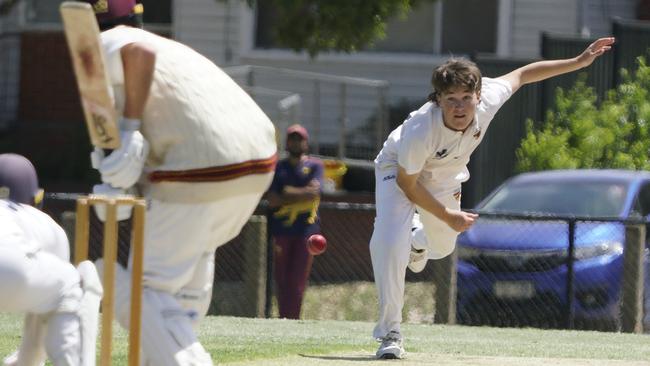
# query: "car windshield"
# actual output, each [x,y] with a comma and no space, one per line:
[601,199]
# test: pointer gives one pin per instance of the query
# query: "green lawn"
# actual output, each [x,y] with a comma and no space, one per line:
[249,341]
[358,301]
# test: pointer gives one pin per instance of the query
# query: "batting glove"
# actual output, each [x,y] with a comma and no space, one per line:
[123,167]
[123,211]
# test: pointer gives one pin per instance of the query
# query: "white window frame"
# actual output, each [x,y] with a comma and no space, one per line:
[24,23]
[247,42]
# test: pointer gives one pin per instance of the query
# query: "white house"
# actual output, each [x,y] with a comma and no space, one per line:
[231,33]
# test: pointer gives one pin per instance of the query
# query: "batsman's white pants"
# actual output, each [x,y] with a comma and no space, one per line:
[168,338]
[391,242]
[180,241]
[177,237]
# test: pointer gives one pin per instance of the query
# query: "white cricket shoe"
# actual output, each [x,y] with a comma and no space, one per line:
[391,347]
[418,260]
[418,257]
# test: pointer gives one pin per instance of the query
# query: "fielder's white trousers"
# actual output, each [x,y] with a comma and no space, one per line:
[47,289]
[392,238]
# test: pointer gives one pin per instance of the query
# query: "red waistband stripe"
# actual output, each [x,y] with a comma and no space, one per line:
[218,173]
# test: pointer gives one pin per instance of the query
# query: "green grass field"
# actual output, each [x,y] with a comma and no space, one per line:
[246,341]
[358,301]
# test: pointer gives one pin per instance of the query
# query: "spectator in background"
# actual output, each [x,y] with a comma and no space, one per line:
[293,199]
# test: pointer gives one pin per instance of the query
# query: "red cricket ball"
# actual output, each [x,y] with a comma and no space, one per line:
[316,244]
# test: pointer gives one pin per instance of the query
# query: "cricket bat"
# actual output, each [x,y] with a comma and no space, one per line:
[82,33]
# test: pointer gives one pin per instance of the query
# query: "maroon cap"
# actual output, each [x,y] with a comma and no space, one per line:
[18,180]
[112,9]
[299,130]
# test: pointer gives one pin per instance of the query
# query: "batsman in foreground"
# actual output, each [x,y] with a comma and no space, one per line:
[200,151]
[60,302]
[422,165]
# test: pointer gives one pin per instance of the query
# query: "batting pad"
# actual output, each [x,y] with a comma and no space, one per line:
[197,294]
[167,335]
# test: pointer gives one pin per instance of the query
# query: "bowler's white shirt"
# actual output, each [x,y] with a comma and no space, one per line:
[424,144]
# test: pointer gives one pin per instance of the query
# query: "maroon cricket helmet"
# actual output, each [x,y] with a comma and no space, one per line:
[298,129]
[110,13]
[18,180]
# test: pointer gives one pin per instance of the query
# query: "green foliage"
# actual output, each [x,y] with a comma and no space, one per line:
[582,133]
[338,25]
[7,5]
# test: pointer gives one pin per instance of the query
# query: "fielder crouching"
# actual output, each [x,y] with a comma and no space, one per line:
[200,151]
[60,302]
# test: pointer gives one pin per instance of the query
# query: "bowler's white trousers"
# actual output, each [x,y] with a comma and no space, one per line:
[392,238]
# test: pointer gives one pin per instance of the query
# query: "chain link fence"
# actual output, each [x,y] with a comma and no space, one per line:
[9,74]
[346,116]
[553,272]
[511,271]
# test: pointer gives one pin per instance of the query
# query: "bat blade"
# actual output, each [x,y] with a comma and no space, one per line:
[82,34]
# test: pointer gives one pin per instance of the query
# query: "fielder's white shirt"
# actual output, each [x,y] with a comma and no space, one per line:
[424,144]
[30,230]
[36,275]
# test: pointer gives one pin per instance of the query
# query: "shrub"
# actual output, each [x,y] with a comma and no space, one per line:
[582,133]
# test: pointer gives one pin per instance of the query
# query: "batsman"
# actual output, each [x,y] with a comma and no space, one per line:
[201,152]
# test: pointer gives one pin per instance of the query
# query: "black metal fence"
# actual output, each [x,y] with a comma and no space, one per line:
[9,74]
[518,270]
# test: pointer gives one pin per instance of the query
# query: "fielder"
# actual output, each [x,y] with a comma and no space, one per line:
[60,302]
[201,152]
[422,165]
[294,197]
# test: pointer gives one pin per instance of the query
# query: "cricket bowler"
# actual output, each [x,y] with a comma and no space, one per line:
[421,167]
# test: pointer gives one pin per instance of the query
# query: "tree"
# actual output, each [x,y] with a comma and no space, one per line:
[338,25]
[323,25]
[582,134]
[6,6]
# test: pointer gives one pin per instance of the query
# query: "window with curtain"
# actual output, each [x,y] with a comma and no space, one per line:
[467,26]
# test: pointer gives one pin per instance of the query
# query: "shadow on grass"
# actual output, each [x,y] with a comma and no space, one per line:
[341,358]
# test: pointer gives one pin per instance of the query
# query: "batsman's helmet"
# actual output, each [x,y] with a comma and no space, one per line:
[18,180]
[111,13]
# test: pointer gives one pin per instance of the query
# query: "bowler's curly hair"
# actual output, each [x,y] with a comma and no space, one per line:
[456,72]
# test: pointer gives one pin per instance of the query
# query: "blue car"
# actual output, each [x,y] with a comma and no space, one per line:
[512,263]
